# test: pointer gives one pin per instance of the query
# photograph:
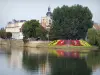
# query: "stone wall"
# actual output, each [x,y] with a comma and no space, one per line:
[20,43]
[12,43]
[39,44]
[36,44]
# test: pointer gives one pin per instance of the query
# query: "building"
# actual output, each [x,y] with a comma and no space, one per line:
[15,28]
[96,26]
[47,20]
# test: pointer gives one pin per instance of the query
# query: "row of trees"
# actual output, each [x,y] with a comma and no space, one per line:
[5,35]
[68,23]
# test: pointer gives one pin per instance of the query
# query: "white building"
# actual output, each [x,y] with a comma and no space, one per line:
[15,28]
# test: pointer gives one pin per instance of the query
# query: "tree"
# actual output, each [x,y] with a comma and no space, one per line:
[92,33]
[33,29]
[94,37]
[2,33]
[41,33]
[8,35]
[98,38]
[71,22]
[29,28]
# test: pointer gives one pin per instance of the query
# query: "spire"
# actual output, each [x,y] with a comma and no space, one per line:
[49,9]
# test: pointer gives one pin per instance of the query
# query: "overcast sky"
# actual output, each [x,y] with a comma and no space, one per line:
[35,9]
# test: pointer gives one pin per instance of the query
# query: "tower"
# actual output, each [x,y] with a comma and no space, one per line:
[49,18]
[46,21]
[49,14]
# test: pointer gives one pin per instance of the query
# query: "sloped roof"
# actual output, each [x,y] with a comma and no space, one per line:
[96,26]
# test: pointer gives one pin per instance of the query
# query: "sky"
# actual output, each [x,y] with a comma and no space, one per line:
[35,9]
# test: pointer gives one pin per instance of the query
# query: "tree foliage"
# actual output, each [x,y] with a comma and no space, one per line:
[32,29]
[4,34]
[29,28]
[41,32]
[71,22]
[94,37]
[8,35]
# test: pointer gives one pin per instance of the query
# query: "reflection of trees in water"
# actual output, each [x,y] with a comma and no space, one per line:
[59,65]
[93,59]
[69,66]
[32,62]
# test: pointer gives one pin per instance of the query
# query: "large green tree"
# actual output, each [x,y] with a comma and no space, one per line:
[29,28]
[71,22]
[33,29]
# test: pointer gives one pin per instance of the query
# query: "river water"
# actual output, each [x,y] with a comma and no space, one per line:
[31,61]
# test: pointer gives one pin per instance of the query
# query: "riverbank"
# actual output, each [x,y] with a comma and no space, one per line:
[41,44]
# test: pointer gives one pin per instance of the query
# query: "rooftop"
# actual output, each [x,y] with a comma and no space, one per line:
[16,21]
[96,26]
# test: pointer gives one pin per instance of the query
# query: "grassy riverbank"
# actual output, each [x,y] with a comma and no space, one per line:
[69,47]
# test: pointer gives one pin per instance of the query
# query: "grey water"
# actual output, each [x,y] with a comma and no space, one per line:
[31,61]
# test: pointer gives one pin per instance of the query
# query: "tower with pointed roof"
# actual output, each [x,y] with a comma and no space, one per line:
[49,14]
[46,21]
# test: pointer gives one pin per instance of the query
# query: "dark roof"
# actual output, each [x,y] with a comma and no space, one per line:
[49,14]
[16,21]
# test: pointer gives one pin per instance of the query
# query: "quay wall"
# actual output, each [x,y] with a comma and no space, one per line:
[20,43]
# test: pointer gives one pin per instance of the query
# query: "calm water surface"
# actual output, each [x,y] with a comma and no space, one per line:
[28,61]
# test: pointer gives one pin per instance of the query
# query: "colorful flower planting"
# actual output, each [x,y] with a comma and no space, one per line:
[69,43]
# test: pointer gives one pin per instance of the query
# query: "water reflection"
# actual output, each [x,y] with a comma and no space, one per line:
[69,54]
[93,60]
[36,62]
[16,58]
[64,66]
[57,65]
[69,62]
[32,61]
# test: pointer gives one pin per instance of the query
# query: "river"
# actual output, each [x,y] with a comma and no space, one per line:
[31,61]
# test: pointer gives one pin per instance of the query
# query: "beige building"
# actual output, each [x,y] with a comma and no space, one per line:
[15,28]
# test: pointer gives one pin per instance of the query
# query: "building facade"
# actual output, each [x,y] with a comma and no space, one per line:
[46,21]
[96,26]
[15,28]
